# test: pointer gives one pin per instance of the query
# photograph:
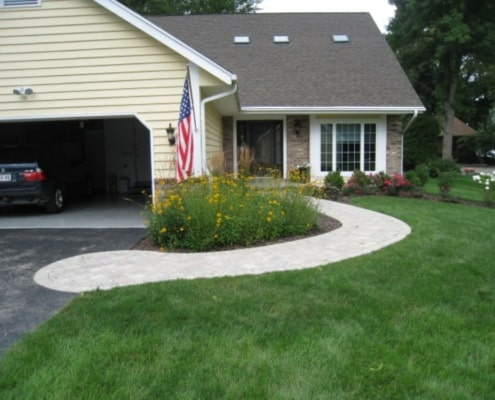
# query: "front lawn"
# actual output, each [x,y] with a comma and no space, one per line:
[415,320]
[465,188]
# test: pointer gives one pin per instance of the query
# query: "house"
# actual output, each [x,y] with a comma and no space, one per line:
[460,132]
[322,89]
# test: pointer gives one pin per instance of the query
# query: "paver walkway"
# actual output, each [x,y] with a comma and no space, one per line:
[362,232]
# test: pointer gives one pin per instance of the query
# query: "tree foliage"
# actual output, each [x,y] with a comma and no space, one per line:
[184,7]
[420,141]
[446,47]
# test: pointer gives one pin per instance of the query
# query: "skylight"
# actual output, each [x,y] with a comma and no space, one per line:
[281,39]
[19,3]
[242,39]
[340,38]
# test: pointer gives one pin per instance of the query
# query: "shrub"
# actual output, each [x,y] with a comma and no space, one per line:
[380,179]
[335,179]
[446,181]
[300,174]
[423,173]
[397,184]
[442,165]
[360,184]
[201,214]
[413,178]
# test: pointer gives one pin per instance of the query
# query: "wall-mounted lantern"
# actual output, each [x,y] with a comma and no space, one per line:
[171,134]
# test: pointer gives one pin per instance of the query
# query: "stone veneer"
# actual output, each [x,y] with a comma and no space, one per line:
[297,145]
[394,144]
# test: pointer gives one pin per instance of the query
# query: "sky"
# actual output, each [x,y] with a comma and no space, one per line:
[380,10]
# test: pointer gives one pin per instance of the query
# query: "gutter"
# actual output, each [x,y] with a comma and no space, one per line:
[202,135]
[332,110]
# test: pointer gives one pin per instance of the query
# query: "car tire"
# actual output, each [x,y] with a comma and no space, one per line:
[56,202]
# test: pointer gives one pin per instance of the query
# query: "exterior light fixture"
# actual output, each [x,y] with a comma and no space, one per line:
[171,134]
[23,91]
[297,127]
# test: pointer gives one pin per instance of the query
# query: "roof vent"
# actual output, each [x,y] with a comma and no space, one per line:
[340,38]
[242,39]
[281,39]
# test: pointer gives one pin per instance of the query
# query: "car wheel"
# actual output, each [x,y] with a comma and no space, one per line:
[56,202]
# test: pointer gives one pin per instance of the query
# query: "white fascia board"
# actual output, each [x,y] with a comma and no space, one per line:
[168,40]
[333,110]
[81,116]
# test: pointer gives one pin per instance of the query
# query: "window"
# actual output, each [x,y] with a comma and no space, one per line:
[326,147]
[242,39]
[347,147]
[369,147]
[19,3]
[281,39]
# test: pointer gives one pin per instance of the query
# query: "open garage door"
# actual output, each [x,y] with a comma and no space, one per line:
[115,151]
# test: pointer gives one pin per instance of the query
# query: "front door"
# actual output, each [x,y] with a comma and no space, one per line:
[265,140]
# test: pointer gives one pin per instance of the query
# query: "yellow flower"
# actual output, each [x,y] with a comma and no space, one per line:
[163,230]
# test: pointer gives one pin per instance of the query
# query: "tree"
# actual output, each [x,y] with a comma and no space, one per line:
[184,7]
[443,45]
[420,141]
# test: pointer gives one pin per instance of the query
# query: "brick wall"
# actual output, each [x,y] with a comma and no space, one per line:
[394,144]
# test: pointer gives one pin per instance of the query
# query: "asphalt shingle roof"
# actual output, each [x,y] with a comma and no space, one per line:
[311,70]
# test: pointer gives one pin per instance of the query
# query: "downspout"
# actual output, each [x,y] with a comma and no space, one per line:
[410,121]
[232,90]
[402,139]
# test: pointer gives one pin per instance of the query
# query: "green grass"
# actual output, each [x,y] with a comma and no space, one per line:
[465,188]
[415,320]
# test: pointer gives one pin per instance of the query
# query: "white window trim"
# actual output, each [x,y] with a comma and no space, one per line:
[315,143]
[25,4]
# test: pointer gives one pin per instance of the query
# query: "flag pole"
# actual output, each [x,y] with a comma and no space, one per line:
[191,98]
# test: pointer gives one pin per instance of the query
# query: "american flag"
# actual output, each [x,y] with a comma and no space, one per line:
[184,159]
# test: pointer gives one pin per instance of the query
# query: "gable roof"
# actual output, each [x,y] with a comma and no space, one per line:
[311,72]
[460,128]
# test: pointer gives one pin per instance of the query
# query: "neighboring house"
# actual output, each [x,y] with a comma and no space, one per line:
[322,89]
[459,152]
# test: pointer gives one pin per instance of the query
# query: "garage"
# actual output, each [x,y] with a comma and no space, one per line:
[115,153]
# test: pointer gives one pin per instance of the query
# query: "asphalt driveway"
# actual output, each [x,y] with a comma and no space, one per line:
[24,304]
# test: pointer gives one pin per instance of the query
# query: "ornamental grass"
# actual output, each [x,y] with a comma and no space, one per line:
[204,213]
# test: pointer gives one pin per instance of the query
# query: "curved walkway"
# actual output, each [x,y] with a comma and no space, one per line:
[362,232]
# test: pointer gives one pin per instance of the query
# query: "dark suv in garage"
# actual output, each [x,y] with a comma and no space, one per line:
[42,174]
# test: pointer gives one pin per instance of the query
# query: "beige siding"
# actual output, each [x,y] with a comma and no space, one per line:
[81,60]
[214,140]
